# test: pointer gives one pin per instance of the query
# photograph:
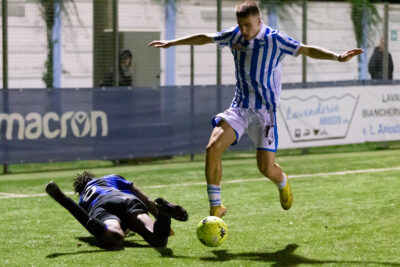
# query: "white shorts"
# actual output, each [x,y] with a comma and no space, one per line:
[259,125]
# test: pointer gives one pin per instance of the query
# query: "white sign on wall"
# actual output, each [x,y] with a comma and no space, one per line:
[315,118]
[338,115]
[380,114]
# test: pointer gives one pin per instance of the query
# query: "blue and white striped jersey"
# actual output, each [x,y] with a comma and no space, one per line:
[258,65]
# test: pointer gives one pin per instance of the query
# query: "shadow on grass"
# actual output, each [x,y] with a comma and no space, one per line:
[92,241]
[284,257]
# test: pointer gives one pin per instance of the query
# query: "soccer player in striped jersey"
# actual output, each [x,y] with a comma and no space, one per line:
[258,52]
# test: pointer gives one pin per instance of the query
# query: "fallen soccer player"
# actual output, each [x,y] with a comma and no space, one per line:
[110,206]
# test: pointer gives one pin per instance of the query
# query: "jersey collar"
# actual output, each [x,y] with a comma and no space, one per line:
[261,32]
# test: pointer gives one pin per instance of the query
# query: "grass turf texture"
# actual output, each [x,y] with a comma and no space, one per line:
[347,220]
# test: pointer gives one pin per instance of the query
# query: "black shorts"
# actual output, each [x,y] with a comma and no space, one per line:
[117,207]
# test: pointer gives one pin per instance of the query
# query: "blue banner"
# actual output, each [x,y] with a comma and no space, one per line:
[40,125]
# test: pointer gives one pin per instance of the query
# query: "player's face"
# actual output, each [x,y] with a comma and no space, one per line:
[249,26]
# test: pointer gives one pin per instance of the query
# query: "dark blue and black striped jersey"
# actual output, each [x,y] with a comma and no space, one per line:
[258,65]
[105,186]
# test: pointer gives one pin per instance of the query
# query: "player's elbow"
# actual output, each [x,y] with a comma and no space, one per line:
[308,51]
[204,39]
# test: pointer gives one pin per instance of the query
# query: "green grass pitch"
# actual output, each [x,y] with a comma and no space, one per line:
[337,219]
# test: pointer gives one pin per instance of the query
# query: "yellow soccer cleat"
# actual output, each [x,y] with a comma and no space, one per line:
[286,195]
[218,211]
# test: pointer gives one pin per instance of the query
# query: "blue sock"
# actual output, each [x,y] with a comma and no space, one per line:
[214,194]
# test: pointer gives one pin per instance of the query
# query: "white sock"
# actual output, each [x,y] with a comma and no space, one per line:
[282,184]
[214,194]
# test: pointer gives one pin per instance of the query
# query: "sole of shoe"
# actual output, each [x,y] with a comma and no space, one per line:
[174,211]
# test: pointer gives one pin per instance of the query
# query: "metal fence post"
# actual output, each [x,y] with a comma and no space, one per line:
[5,70]
[272,16]
[304,31]
[363,58]
[192,124]
[219,93]
[170,33]
[56,35]
[385,64]
[115,44]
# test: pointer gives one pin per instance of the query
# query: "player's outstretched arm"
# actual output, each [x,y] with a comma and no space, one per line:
[151,206]
[322,53]
[346,56]
[196,39]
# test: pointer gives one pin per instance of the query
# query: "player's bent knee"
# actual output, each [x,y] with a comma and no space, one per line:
[214,149]
[113,239]
[114,236]
[266,170]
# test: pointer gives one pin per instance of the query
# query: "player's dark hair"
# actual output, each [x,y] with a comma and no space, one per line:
[246,8]
[81,180]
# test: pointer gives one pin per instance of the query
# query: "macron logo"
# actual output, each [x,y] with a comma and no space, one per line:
[52,125]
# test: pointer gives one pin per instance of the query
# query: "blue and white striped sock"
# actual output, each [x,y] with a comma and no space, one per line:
[214,194]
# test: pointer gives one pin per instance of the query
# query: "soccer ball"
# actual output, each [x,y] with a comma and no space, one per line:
[212,231]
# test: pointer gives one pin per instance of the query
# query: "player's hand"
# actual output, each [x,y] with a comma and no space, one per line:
[346,56]
[152,208]
[159,44]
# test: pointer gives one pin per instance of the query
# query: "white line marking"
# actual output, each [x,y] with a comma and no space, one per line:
[11,195]
[290,177]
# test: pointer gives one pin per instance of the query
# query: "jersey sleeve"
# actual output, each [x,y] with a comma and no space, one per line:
[224,37]
[118,182]
[288,45]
